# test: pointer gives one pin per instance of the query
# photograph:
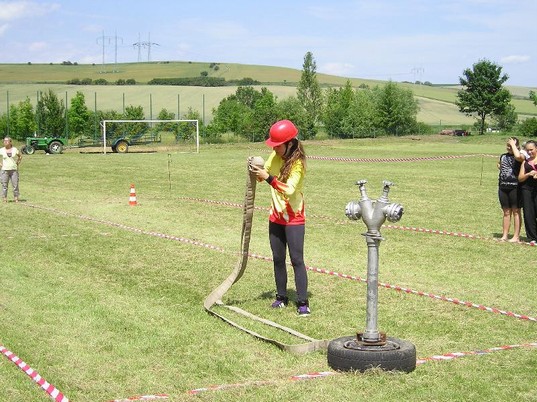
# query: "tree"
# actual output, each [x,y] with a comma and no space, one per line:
[133,129]
[508,119]
[164,114]
[291,109]
[50,114]
[337,105]
[78,116]
[360,119]
[13,118]
[248,113]
[482,94]
[233,112]
[396,109]
[528,127]
[3,125]
[187,131]
[310,96]
[533,97]
[26,119]
[248,96]
[264,115]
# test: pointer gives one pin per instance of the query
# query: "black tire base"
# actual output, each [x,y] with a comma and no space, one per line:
[402,357]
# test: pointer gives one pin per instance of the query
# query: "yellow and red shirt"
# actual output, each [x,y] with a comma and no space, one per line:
[287,204]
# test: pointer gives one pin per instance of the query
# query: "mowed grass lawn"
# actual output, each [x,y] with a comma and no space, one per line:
[104,300]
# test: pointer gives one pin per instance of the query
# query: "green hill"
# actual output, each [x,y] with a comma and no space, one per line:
[18,81]
[144,72]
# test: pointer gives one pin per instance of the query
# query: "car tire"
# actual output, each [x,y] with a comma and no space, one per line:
[399,356]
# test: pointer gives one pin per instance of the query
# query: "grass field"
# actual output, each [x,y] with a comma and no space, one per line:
[104,300]
[18,81]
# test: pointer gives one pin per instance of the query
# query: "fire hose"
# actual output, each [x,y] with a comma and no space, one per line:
[215,297]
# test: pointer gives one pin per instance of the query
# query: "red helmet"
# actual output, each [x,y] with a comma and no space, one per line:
[281,132]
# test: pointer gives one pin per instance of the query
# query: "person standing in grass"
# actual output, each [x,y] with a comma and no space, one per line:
[527,178]
[284,171]
[10,160]
[508,189]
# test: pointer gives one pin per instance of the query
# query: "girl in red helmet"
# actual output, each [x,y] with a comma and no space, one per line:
[284,171]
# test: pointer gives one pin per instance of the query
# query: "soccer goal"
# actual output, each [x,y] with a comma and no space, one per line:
[120,135]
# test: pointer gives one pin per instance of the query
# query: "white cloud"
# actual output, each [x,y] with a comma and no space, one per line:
[37,46]
[3,28]
[220,30]
[92,28]
[341,69]
[13,10]
[515,59]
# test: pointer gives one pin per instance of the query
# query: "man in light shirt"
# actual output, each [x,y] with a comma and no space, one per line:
[9,164]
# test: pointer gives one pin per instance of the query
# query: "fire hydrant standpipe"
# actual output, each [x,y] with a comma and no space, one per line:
[374,214]
[371,348]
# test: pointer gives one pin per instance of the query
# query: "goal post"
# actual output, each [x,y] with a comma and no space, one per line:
[122,133]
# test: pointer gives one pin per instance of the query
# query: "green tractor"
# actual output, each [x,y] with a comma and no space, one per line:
[51,145]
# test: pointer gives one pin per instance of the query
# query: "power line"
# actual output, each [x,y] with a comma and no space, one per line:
[418,71]
[107,40]
[146,45]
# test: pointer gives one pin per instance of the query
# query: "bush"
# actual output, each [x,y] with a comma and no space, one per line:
[423,129]
[528,127]
[246,81]
[192,81]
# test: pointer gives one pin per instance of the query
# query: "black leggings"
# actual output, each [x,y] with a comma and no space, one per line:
[529,204]
[292,236]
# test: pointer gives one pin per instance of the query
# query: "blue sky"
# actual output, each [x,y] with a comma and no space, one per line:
[425,40]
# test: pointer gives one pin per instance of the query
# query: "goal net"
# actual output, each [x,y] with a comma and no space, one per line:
[121,135]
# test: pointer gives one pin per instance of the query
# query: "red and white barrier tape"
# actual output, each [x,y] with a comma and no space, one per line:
[318,270]
[448,233]
[323,374]
[409,228]
[143,398]
[377,160]
[261,383]
[50,389]
[59,397]
[460,302]
[420,293]
[455,355]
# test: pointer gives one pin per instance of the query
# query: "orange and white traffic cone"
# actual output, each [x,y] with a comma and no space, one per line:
[132,197]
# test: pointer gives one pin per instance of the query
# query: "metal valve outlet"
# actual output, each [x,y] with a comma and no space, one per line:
[374,214]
